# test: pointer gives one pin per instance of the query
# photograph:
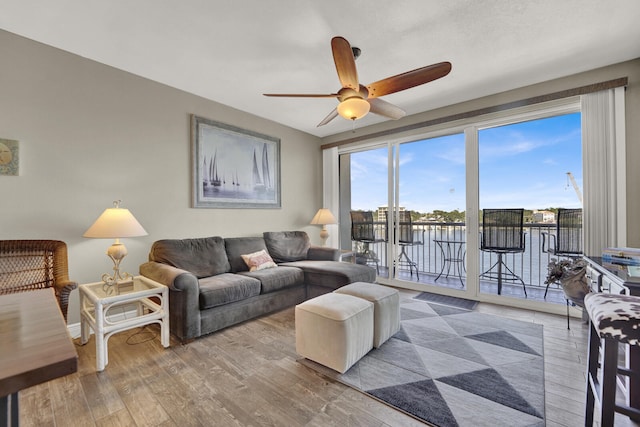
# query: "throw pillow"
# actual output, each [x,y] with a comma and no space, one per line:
[258,261]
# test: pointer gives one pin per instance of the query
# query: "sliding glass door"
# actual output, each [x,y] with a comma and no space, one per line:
[426,198]
[430,202]
[534,166]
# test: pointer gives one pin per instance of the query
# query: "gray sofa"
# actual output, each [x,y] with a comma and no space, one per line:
[211,287]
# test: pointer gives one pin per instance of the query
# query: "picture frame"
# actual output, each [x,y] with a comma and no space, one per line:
[233,167]
[9,157]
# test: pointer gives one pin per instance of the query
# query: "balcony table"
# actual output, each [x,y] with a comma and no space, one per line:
[453,254]
[35,346]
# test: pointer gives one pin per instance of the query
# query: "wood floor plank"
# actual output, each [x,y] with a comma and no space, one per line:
[103,399]
[35,406]
[248,375]
[68,401]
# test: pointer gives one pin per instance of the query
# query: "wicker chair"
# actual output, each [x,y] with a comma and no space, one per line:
[36,264]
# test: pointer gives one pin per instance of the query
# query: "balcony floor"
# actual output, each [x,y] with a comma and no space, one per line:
[513,290]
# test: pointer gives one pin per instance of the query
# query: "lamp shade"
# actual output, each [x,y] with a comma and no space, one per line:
[115,223]
[353,108]
[323,217]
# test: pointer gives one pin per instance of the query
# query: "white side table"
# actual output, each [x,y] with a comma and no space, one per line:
[151,300]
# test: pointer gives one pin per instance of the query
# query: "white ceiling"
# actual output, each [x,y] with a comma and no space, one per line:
[232,51]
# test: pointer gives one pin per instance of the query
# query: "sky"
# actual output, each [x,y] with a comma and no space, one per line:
[523,165]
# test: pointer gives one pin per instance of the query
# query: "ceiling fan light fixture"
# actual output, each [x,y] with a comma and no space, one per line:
[353,108]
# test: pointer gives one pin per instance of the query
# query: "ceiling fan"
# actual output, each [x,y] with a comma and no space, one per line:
[357,100]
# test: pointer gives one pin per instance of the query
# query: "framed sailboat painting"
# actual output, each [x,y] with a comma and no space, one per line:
[233,167]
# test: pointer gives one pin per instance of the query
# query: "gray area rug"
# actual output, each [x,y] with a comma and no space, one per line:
[466,304]
[453,367]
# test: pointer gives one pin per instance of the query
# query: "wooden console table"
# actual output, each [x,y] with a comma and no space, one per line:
[616,279]
[35,346]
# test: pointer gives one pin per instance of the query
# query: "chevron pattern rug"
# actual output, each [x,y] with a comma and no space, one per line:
[453,367]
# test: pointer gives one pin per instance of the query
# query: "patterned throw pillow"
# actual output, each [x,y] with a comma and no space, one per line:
[258,261]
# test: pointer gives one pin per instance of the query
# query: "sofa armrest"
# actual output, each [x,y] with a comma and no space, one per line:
[321,253]
[184,307]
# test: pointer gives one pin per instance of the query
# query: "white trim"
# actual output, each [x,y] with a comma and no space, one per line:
[472,228]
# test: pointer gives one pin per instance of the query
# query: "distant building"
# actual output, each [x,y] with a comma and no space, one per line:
[544,216]
[382,212]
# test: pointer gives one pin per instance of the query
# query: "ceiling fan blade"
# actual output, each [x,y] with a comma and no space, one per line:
[332,115]
[345,63]
[409,79]
[386,109]
[303,95]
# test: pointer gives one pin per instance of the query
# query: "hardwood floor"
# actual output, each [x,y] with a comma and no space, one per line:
[247,375]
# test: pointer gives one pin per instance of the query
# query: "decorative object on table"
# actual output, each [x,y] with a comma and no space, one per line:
[567,240]
[324,217]
[621,256]
[571,275]
[9,157]
[233,167]
[115,223]
[27,265]
[357,100]
[445,363]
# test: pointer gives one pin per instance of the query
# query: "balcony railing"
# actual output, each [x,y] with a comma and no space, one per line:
[531,265]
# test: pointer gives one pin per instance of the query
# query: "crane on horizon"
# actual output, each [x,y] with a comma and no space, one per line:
[575,186]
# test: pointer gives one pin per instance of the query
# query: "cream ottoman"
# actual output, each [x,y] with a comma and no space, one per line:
[386,308]
[335,330]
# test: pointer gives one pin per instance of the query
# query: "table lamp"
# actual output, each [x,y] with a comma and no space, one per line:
[115,223]
[324,217]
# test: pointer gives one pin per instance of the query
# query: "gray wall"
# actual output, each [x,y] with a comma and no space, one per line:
[90,134]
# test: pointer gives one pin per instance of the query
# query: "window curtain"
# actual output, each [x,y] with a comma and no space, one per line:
[330,193]
[604,166]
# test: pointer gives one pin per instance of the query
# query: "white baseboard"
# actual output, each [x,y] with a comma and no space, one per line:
[74,330]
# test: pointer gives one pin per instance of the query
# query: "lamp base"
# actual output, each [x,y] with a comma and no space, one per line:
[117,252]
[324,235]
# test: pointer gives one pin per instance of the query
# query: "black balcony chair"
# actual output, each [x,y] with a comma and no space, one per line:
[502,233]
[406,236]
[363,231]
[567,240]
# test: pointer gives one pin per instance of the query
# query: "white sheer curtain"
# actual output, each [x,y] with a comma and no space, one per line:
[603,141]
[330,192]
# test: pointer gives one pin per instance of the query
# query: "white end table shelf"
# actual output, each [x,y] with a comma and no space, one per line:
[97,300]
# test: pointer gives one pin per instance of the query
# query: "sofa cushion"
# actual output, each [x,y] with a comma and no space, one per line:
[202,257]
[333,274]
[258,260]
[287,246]
[238,246]
[226,288]
[274,279]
